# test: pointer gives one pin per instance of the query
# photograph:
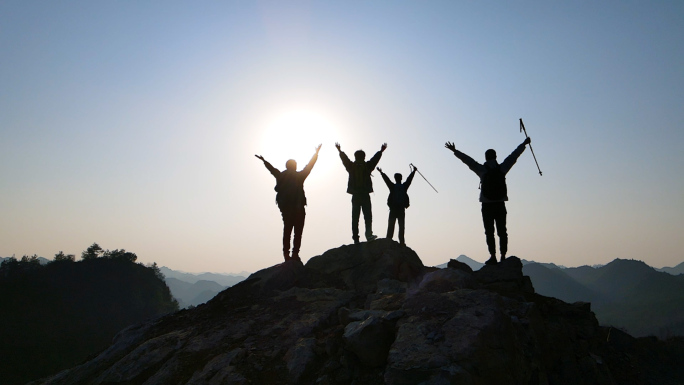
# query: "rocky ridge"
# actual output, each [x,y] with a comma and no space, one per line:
[373,314]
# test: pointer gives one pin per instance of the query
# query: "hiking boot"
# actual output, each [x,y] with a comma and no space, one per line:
[286,254]
[371,238]
[295,256]
[356,240]
[503,257]
[491,261]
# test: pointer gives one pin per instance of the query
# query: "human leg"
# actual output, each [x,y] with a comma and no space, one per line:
[298,223]
[401,215]
[500,220]
[488,221]
[390,224]
[356,212]
[288,224]
[367,216]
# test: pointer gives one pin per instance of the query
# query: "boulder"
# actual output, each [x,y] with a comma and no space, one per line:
[300,356]
[443,280]
[458,265]
[362,265]
[369,340]
[505,277]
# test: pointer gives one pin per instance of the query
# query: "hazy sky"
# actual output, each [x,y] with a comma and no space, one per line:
[135,124]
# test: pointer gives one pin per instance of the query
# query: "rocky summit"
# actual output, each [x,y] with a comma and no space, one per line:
[372,313]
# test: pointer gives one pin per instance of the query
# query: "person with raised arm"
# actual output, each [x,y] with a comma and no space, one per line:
[398,201]
[360,186]
[291,200]
[493,194]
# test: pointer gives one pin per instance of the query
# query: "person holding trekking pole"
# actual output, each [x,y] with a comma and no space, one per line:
[398,202]
[291,200]
[493,194]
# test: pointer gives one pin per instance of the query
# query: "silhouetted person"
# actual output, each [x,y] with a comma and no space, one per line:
[398,201]
[291,200]
[493,194]
[360,186]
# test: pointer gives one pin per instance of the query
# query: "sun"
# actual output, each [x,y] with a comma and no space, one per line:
[294,134]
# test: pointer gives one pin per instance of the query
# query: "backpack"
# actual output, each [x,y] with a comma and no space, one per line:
[398,197]
[493,184]
[290,190]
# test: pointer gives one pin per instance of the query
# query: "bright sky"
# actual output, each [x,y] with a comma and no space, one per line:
[135,125]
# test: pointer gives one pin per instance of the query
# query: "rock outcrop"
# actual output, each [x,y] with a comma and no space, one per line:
[373,314]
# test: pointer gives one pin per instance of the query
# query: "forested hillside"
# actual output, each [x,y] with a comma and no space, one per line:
[55,316]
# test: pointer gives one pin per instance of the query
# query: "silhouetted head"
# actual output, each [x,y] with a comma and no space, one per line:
[360,156]
[397,177]
[291,165]
[490,154]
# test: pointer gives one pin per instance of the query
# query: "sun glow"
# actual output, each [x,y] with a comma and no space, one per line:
[295,134]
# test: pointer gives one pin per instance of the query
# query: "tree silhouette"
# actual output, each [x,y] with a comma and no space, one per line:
[120,254]
[62,257]
[92,252]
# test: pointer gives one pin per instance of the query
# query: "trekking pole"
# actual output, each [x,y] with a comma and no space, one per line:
[421,174]
[522,129]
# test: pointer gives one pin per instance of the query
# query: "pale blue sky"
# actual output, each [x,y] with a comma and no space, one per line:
[135,124]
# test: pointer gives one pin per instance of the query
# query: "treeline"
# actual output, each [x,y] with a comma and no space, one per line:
[54,316]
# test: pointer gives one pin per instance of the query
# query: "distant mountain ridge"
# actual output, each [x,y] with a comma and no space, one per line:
[475,265]
[624,293]
[221,279]
[43,261]
[679,269]
[195,289]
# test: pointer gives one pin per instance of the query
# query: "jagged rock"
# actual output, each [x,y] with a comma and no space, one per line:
[458,265]
[387,302]
[444,280]
[391,286]
[151,353]
[361,266]
[369,339]
[373,314]
[279,277]
[505,277]
[218,370]
[300,356]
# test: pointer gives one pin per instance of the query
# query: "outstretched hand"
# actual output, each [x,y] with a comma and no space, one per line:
[414,168]
[260,157]
[338,147]
[383,147]
[527,141]
[379,169]
[318,148]
[450,146]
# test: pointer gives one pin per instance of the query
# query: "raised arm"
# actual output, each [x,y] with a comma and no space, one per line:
[345,159]
[510,160]
[387,180]
[376,158]
[305,172]
[470,162]
[274,171]
[410,177]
